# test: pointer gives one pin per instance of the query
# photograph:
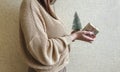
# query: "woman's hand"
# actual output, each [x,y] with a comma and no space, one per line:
[87,36]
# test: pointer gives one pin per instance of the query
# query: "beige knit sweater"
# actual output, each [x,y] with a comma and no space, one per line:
[45,42]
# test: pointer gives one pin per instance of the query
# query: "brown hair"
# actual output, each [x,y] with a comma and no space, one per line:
[46,6]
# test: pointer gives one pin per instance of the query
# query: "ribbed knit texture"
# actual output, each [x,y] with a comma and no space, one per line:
[45,42]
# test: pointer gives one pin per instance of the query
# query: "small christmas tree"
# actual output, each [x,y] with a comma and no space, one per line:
[76,23]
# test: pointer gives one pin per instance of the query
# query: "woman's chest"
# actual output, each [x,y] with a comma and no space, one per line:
[55,28]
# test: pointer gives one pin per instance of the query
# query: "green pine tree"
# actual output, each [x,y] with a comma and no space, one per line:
[76,23]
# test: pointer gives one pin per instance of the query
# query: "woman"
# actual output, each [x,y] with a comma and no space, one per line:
[45,42]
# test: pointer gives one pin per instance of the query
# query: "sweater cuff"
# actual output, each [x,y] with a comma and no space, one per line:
[68,39]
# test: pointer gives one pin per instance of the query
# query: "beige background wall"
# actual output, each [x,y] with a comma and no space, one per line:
[103,55]
[10,60]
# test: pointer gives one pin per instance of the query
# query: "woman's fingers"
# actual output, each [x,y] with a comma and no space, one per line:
[89,33]
[87,38]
